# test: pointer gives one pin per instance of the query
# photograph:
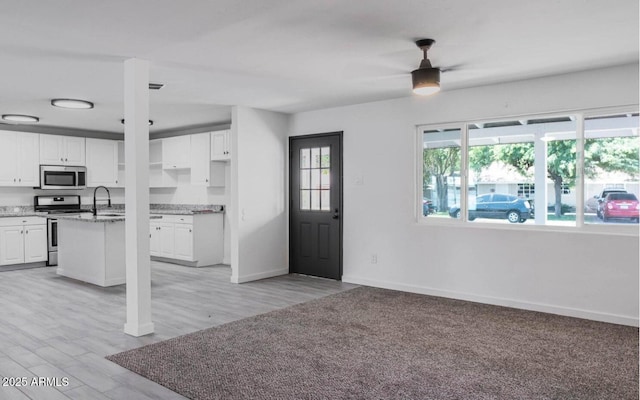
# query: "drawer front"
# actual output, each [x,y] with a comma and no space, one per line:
[12,221]
[178,219]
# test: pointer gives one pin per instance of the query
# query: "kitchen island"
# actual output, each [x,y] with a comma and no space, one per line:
[92,248]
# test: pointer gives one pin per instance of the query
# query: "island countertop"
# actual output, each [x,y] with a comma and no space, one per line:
[104,217]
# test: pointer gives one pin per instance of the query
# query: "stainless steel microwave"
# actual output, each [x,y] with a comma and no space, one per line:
[63,177]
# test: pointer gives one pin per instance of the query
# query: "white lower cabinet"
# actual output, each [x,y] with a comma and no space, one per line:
[194,240]
[23,240]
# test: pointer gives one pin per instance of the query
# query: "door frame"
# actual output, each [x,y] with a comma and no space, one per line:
[340,135]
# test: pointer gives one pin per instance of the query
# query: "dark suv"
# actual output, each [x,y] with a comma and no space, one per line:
[497,206]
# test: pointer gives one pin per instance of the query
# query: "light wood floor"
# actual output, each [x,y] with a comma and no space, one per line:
[55,327]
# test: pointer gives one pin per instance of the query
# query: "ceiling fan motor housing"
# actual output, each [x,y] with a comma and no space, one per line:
[425,77]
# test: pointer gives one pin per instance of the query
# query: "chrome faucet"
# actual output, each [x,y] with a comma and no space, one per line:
[95,209]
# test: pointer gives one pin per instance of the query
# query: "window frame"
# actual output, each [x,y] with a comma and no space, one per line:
[463,126]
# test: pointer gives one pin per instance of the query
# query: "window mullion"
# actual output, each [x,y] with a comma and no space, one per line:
[580,171]
[464,172]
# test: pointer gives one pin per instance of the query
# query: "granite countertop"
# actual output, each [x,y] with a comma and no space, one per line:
[167,209]
[4,214]
[101,217]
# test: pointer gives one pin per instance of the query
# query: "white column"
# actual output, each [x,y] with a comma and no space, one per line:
[136,155]
[540,162]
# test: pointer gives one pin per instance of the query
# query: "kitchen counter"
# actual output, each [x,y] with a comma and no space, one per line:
[101,217]
[4,214]
[92,252]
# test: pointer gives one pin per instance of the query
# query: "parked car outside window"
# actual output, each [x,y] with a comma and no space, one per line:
[497,206]
[620,205]
[428,207]
[594,203]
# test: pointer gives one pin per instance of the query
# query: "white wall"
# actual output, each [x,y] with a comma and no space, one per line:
[580,274]
[257,210]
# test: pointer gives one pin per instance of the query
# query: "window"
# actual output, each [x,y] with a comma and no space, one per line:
[511,158]
[314,178]
[611,166]
[440,171]
[569,171]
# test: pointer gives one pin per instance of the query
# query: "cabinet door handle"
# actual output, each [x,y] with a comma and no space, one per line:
[14,179]
[189,230]
[26,231]
[61,159]
[19,179]
[21,232]
[66,159]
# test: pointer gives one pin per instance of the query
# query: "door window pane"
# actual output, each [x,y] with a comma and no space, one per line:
[611,169]
[315,200]
[325,159]
[305,158]
[315,157]
[325,201]
[315,179]
[305,179]
[305,199]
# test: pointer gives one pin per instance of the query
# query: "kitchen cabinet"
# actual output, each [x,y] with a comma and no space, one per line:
[154,237]
[193,240]
[120,181]
[183,241]
[176,152]
[23,240]
[19,159]
[159,177]
[102,162]
[221,145]
[203,171]
[62,150]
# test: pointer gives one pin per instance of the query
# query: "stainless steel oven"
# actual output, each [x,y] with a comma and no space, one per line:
[63,177]
[52,205]
[52,241]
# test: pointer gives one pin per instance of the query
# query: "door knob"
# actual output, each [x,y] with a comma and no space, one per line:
[335,215]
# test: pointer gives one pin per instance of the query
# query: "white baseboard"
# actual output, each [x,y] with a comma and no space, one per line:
[259,275]
[137,330]
[497,301]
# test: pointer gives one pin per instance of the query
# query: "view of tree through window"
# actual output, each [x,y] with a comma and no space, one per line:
[611,166]
[441,171]
[526,171]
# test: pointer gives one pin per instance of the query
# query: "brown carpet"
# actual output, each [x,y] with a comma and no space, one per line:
[369,343]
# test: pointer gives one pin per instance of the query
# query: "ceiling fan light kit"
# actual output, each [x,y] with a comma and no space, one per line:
[72,103]
[426,79]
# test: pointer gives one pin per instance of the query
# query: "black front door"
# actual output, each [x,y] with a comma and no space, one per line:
[315,220]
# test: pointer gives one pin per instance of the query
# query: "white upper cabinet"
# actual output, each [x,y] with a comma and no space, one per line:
[102,162]
[176,152]
[19,162]
[220,145]
[200,173]
[158,176]
[62,150]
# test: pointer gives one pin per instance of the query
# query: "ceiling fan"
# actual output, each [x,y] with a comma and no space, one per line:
[425,79]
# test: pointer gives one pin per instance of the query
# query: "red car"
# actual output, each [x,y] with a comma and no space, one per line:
[620,205]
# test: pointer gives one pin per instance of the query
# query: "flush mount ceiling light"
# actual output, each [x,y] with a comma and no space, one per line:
[29,119]
[150,122]
[72,103]
[426,79]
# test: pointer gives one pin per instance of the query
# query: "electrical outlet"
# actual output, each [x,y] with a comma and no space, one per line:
[374,259]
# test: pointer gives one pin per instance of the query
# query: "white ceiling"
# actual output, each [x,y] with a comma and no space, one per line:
[287,55]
